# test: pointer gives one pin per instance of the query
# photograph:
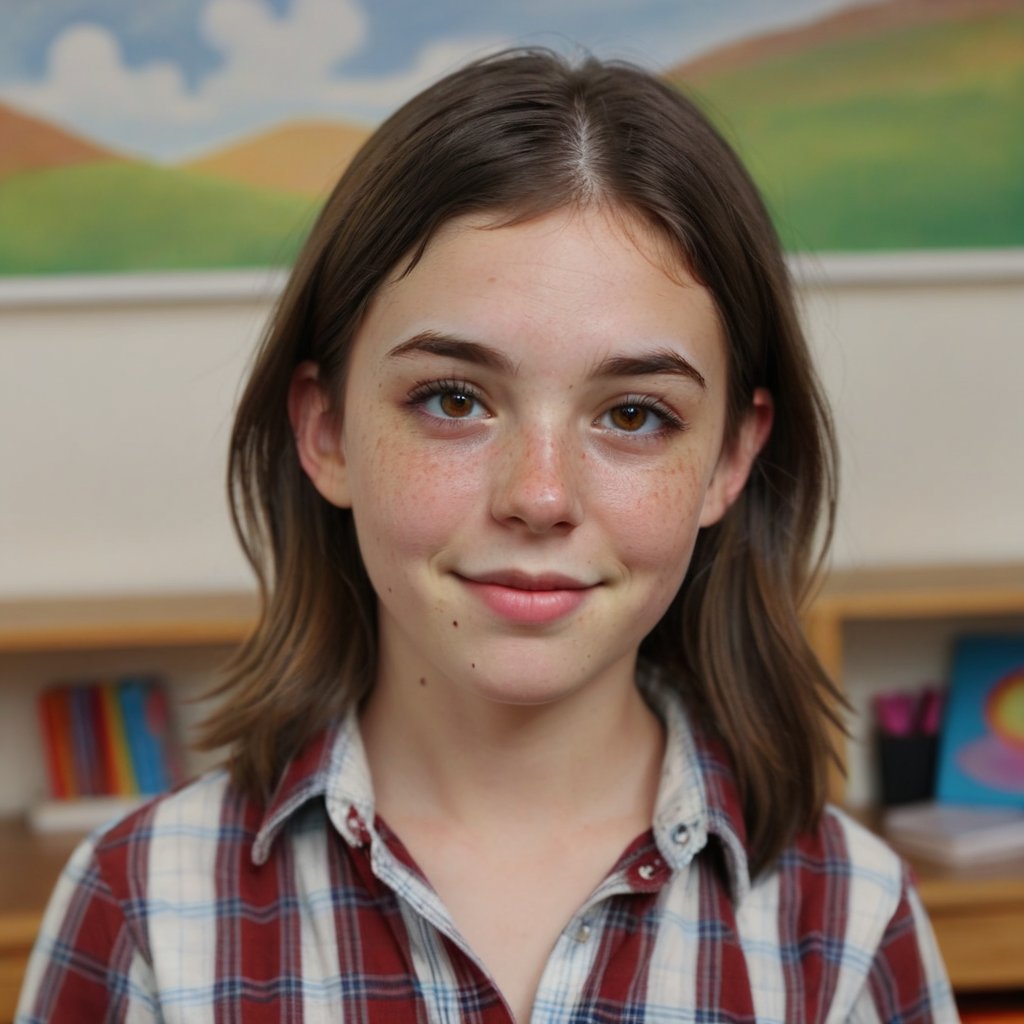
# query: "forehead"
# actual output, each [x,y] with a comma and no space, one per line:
[568,285]
[602,232]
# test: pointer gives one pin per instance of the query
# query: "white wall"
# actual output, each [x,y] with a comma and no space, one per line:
[927,385]
[113,425]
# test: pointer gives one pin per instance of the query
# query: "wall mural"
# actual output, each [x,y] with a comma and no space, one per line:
[138,135]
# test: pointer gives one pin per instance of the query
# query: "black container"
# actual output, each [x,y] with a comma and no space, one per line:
[907,768]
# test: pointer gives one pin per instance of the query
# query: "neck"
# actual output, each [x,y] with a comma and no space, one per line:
[589,758]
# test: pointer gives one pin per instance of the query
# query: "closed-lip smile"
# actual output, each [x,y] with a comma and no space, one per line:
[517,580]
[528,599]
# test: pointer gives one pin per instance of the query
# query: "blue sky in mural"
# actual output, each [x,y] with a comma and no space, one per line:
[168,80]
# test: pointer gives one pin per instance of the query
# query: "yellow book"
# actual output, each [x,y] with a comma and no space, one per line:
[119,758]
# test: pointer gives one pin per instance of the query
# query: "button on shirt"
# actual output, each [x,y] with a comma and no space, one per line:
[207,907]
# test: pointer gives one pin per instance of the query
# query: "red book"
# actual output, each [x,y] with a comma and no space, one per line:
[48,727]
[58,699]
[105,764]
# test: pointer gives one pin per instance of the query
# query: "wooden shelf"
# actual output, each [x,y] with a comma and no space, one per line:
[978,916]
[31,866]
[977,913]
[882,595]
[118,623]
[125,622]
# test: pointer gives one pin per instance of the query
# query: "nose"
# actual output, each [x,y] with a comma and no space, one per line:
[536,482]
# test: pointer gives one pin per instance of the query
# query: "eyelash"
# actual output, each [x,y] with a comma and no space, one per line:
[669,420]
[426,390]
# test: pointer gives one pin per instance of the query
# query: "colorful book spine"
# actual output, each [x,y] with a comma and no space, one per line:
[158,723]
[64,731]
[121,776]
[132,694]
[50,728]
[83,742]
[111,739]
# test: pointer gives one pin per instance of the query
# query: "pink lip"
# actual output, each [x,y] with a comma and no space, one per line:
[528,600]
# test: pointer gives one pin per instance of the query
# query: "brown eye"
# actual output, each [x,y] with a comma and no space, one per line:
[455,404]
[629,417]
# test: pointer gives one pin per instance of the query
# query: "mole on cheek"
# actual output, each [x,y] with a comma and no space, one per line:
[423,681]
[455,623]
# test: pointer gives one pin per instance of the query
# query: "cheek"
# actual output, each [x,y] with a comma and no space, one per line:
[405,498]
[657,516]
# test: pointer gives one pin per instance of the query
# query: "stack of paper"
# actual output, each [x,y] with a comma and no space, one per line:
[956,835]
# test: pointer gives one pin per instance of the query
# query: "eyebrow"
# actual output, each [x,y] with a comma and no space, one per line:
[662,360]
[454,348]
[659,361]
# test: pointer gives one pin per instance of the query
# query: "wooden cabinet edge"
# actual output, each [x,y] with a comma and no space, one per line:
[38,625]
[18,930]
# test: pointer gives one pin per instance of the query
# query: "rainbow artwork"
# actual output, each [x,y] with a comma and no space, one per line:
[981,759]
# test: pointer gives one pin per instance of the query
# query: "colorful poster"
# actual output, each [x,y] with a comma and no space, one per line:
[139,135]
[981,757]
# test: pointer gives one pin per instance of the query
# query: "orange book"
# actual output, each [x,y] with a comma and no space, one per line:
[119,758]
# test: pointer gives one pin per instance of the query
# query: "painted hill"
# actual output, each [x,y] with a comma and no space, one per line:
[117,216]
[844,26]
[301,157]
[889,126]
[31,144]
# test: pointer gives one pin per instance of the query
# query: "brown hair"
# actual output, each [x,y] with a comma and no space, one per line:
[520,134]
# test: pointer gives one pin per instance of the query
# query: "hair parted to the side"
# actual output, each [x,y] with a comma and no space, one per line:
[520,134]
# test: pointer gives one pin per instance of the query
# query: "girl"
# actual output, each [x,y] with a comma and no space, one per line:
[529,468]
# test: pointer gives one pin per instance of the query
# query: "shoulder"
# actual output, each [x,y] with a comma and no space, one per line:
[843,847]
[847,900]
[179,833]
[93,956]
[844,879]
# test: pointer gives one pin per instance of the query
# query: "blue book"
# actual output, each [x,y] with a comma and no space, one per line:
[132,694]
[981,752]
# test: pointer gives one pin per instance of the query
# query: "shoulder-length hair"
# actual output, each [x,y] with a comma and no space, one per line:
[517,135]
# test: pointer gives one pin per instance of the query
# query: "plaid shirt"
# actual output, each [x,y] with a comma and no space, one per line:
[206,907]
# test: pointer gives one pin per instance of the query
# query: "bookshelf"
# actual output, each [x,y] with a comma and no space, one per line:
[183,636]
[978,914]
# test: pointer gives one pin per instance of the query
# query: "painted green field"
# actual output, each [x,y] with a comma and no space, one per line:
[125,216]
[911,139]
[914,140]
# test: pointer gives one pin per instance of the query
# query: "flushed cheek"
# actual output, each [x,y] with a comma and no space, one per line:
[411,500]
[656,515]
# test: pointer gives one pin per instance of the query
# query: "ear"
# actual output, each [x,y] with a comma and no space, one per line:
[737,458]
[317,430]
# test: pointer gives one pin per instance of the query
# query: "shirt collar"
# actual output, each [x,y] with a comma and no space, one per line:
[333,766]
[697,794]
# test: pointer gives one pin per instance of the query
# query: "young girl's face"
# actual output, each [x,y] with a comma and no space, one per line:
[531,438]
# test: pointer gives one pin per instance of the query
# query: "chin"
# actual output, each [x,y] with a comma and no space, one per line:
[543,688]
